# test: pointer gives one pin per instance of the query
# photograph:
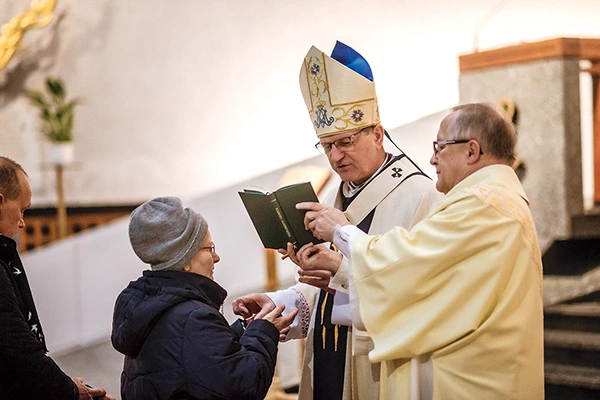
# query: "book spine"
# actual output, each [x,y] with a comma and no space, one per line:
[284,223]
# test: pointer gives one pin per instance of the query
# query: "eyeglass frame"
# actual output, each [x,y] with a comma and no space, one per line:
[344,147]
[437,143]
[212,248]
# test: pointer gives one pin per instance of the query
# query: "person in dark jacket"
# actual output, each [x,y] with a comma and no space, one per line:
[168,324]
[26,372]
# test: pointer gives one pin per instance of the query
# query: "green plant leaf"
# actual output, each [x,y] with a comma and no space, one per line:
[56,115]
[37,99]
[56,88]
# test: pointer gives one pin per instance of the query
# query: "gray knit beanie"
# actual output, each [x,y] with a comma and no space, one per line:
[165,235]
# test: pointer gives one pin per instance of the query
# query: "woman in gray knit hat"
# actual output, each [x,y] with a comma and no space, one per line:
[177,345]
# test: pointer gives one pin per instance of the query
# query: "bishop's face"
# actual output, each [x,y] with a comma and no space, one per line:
[358,161]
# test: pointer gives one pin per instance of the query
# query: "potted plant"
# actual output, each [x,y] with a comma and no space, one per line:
[56,114]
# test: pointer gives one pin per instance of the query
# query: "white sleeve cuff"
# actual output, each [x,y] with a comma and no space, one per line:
[293,299]
[339,281]
[340,313]
[343,235]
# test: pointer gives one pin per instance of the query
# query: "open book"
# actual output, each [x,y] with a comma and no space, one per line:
[275,217]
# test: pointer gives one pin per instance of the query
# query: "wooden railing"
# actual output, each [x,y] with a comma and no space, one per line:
[41,225]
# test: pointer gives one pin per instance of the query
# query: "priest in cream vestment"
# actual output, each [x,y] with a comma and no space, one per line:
[378,191]
[462,288]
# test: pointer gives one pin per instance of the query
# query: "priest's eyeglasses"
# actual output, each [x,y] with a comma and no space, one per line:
[343,144]
[212,248]
[438,145]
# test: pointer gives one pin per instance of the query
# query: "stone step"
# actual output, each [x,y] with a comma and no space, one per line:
[572,289]
[576,316]
[572,347]
[572,339]
[590,297]
[572,376]
[586,225]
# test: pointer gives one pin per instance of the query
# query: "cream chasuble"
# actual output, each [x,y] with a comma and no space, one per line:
[463,287]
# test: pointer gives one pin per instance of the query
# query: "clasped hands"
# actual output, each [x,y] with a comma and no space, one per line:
[87,392]
[260,306]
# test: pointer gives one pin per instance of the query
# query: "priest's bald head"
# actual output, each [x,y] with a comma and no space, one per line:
[471,137]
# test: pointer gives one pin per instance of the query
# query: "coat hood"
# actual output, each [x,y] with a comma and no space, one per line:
[145,300]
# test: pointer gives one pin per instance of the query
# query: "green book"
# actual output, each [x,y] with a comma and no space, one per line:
[275,217]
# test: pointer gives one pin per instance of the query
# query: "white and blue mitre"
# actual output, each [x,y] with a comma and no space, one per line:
[338,91]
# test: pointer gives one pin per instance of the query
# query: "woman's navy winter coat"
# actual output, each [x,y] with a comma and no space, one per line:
[179,346]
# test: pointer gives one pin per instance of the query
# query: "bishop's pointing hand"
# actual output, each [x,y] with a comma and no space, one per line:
[322,219]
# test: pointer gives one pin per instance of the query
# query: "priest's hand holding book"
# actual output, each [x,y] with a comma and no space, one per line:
[321,220]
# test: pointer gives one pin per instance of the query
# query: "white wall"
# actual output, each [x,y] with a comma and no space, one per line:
[75,283]
[185,97]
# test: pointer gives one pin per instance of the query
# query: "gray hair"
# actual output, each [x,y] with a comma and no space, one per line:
[489,125]
[9,180]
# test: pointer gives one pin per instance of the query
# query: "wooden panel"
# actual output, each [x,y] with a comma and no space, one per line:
[43,229]
[272,276]
[587,49]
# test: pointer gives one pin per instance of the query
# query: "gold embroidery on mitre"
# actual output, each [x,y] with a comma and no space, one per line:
[353,103]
